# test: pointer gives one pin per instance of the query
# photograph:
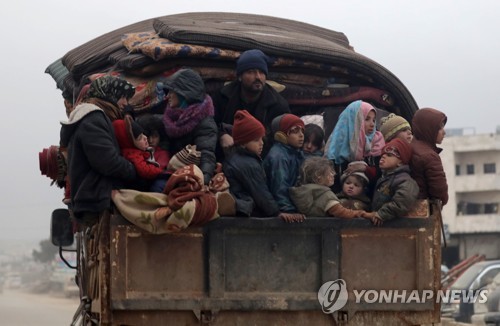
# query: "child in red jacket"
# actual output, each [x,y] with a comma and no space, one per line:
[135,147]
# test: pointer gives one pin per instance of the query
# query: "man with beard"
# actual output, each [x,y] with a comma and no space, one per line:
[249,92]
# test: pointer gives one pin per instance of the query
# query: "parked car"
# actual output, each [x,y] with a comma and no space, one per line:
[475,278]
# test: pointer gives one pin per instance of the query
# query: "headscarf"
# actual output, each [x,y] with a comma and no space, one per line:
[110,89]
[348,141]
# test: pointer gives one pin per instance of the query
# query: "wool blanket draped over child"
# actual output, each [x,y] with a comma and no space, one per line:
[186,202]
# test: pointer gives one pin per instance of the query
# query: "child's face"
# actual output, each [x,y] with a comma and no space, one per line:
[328,178]
[309,146]
[295,137]
[122,102]
[142,142]
[405,134]
[154,139]
[370,122]
[440,135]
[254,146]
[389,161]
[352,186]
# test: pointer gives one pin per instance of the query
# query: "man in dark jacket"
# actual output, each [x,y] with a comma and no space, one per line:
[95,165]
[249,92]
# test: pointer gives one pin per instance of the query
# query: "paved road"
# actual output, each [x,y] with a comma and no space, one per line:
[21,309]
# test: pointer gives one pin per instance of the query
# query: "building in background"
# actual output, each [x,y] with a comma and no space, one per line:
[471,217]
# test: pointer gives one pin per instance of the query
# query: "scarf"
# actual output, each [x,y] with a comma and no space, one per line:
[112,111]
[179,122]
[348,141]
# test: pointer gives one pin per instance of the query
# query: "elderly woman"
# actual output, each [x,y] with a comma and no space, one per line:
[189,118]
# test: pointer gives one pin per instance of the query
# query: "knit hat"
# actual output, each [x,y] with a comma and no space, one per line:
[251,59]
[188,155]
[246,128]
[187,83]
[391,124]
[399,148]
[285,122]
[360,174]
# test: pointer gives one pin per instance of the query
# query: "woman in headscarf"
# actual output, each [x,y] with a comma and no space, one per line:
[355,144]
[95,165]
[189,118]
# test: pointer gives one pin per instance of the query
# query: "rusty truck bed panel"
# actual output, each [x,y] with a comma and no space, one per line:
[268,270]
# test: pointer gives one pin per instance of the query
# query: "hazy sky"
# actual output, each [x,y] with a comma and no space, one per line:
[445,52]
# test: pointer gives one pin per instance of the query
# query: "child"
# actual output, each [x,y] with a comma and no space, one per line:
[245,174]
[426,166]
[313,140]
[355,138]
[134,147]
[395,192]
[394,126]
[283,161]
[353,194]
[313,197]
[153,129]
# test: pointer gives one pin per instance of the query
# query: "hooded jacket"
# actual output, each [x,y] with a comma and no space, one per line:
[95,165]
[138,157]
[426,165]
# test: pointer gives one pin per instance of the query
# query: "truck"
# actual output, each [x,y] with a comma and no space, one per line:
[249,271]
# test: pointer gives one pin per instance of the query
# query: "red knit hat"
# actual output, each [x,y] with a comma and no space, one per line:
[285,122]
[399,148]
[246,128]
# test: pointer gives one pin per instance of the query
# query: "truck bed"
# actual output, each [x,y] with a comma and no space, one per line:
[263,271]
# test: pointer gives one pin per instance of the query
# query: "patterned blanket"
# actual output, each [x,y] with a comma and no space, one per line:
[186,202]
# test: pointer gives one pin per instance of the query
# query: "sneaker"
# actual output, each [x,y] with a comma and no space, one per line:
[226,205]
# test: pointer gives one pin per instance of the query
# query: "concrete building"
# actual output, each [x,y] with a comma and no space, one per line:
[472,216]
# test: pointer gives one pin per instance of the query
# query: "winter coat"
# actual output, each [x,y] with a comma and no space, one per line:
[395,193]
[270,105]
[248,185]
[355,202]
[144,168]
[95,165]
[426,165]
[282,165]
[313,199]
[202,133]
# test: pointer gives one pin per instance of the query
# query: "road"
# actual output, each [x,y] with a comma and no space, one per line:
[20,309]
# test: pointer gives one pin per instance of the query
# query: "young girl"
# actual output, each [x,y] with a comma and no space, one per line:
[313,197]
[353,194]
[313,140]
[355,138]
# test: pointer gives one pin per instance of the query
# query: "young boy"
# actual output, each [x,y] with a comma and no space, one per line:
[283,161]
[353,194]
[395,191]
[426,166]
[395,126]
[314,197]
[245,174]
